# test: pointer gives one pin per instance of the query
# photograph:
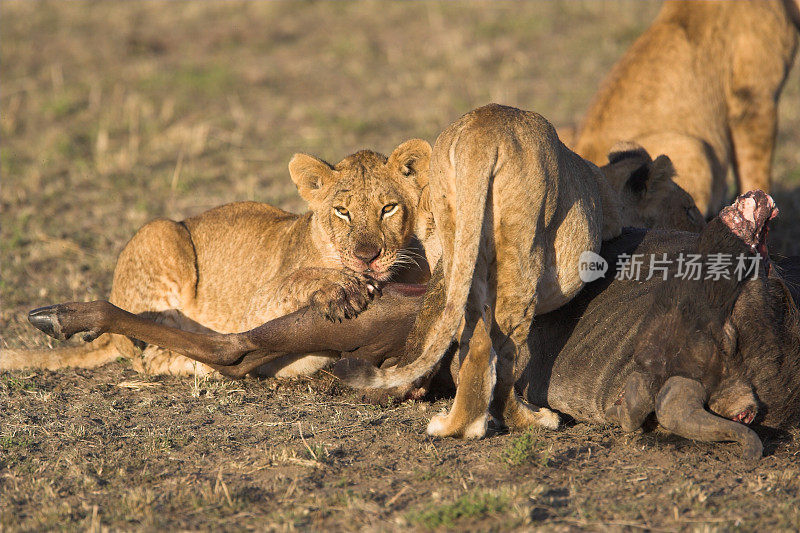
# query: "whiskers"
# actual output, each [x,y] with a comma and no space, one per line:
[406,257]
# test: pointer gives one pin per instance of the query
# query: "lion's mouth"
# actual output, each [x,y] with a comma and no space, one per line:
[380,269]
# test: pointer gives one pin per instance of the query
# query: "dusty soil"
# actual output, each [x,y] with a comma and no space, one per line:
[85,448]
[117,113]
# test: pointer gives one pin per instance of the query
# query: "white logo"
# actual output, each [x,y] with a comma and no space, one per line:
[591,266]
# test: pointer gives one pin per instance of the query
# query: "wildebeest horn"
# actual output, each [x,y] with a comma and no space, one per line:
[680,408]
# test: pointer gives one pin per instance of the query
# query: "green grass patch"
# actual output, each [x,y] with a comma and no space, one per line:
[792,177]
[13,384]
[11,441]
[14,233]
[472,506]
[62,106]
[317,452]
[526,448]
[10,162]
[433,474]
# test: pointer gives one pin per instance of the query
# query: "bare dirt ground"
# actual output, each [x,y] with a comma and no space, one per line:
[117,113]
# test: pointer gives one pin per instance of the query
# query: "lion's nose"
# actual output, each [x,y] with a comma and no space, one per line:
[367,253]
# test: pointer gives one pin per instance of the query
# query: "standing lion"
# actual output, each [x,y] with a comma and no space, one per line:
[702,86]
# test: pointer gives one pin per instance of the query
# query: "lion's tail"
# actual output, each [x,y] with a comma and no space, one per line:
[469,220]
[95,353]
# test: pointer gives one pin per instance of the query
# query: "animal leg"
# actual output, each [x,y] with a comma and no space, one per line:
[515,412]
[680,408]
[157,360]
[169,329]
[635,403]
[155,272]
[468,418]
[335,294]
[377,333]
[519,272]
[753,124]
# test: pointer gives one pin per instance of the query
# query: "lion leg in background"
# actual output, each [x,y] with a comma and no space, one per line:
[156,274]
[753,127]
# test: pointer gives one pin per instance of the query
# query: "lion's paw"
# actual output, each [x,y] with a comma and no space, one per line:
[344,296]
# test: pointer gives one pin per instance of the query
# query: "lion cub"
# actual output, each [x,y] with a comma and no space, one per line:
[700,85]
[513,210]
[236,266]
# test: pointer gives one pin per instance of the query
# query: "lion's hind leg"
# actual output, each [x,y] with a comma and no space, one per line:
[469,415]
[156,277]
[521,275]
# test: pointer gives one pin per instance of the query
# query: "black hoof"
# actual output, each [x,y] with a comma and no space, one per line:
[46,320]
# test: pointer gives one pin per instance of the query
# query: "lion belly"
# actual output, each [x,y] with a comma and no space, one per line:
[560,281]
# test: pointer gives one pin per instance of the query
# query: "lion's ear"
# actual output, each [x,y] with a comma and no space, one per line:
[651,176]
[309,174]
[631,166]
[663,169]
[413,159]
[638,179]
[628,151]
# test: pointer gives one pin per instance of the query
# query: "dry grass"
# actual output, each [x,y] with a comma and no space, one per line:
[116,113]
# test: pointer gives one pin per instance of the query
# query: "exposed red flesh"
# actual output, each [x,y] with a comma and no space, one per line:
[406,289]
[746,417]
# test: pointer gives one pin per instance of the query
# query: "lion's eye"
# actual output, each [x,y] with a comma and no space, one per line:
[342,213]
[389,210]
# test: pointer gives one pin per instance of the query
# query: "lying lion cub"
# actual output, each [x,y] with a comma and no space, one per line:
[701,85]
[236,266]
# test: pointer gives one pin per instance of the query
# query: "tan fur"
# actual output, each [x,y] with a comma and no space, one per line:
[236,266]
[475,384]
[649,198]
[701,85]
[513,210]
